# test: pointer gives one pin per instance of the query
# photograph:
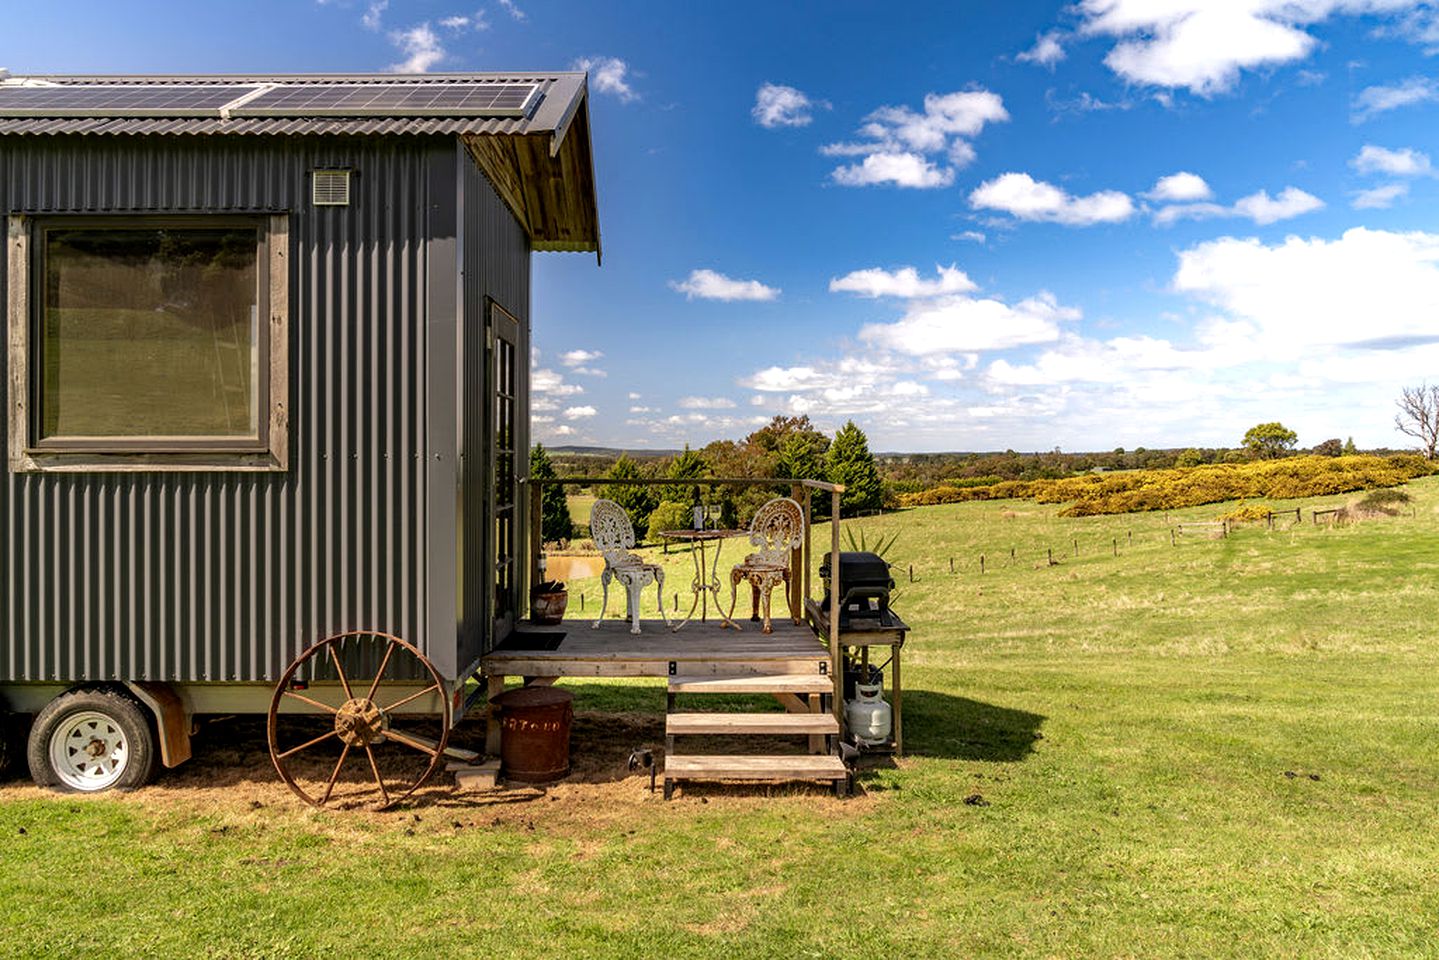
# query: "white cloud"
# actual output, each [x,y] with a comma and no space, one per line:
[1367,286]
[900,169]
[1407,162]
[958,324]
[1203,45]
[578,358]
[904,282]
[460,22]
[706,403]
[1381,197]
[1021,196]
[1381,99]
[973,236]
[776,105]
[1047,51]
[552,383]
[580,413]
[639,408]
[710,285]
[609,75]
[370,19]
[421,47]
[1259,207]
[1181,187]
[509,7]
[897,142]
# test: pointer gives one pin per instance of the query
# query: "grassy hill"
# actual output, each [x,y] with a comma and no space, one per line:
[1198,747]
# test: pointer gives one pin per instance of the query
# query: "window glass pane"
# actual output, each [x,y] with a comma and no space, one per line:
[149,332]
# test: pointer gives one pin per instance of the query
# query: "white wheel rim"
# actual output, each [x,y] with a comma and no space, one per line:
[88,751]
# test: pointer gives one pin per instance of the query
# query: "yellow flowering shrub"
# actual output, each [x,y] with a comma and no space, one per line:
[1138,490]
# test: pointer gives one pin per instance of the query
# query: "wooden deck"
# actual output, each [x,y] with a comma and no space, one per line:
[699,649]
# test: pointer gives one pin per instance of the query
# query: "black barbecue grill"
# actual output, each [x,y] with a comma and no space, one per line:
[864,586]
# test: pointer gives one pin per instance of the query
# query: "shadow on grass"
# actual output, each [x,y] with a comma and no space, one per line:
[947,727]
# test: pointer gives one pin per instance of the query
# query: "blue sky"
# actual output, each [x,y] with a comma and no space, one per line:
[966,226]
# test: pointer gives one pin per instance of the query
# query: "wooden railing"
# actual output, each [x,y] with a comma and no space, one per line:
[799,586]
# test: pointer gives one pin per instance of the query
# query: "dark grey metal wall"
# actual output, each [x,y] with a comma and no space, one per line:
[224,577]
[495,254]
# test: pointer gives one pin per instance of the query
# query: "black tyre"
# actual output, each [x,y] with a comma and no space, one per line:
[86,741]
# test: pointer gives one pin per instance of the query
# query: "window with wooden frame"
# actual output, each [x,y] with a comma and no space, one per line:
[148,342]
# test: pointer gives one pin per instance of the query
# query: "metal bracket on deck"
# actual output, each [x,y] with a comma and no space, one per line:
[824,667]
[674,669]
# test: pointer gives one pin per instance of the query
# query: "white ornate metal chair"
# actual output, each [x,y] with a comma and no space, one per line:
[614,535]
[777,529]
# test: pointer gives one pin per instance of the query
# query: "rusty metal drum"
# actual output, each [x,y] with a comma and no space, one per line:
[535,733]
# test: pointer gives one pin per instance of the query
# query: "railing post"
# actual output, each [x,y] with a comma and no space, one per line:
[808,542]
[836,661]
[537,532]
[797,555]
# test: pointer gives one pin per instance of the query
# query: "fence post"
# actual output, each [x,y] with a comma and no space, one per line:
[911,573]
[1076,546]
[1171,536]
[1051,555]
[1011,553]
[981,564]
[1116,546]
[1131,538]
[951,564]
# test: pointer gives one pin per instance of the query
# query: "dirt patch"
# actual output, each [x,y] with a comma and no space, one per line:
[232,777]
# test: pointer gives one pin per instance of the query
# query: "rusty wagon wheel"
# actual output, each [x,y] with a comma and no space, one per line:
[360,719]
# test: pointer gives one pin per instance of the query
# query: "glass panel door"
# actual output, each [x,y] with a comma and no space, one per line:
[503,341]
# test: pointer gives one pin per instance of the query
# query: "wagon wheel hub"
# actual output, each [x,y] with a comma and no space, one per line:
[360,722]
[97,748]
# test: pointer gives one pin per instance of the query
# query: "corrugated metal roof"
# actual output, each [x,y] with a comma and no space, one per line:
[559,97]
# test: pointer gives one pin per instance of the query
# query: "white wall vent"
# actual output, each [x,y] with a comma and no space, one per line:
[330,188]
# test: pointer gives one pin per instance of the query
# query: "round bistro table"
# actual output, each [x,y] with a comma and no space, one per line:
[706,579]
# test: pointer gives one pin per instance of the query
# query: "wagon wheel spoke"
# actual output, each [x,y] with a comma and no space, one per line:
[409,741]
[310,743]
[380,673]
[335,775]
[344,681]
[379,781]
[414,696]
[314,703]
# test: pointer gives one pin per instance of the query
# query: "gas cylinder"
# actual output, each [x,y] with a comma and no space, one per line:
[868,715]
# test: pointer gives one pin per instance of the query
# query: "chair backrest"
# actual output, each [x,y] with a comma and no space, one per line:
[611,530]
[777,528]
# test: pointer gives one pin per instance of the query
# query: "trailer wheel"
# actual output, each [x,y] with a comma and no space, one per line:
[386,712]
[92,740]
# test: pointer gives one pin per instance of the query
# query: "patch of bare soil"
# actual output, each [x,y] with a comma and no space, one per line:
[232,776]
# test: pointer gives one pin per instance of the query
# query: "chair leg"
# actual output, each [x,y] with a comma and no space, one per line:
[632,591]
[767,593]
[754,600]
[789,600]
[660,590]
[734,578]
[604,599]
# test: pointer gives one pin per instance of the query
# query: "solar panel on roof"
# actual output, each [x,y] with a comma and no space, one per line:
[457,99]
[124,100]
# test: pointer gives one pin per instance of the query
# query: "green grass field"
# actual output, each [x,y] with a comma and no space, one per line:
[1219,748]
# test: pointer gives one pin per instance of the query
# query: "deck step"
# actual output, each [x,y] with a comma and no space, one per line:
[759,683]
[821,767]
[767,723]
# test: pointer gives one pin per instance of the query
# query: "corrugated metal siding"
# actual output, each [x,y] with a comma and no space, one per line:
[496,258]
[226,576]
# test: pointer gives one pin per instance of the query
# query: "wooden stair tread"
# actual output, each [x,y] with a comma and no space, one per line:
[759,683]
[771,723]
[797,767]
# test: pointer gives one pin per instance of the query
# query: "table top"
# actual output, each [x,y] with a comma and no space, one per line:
[701,534]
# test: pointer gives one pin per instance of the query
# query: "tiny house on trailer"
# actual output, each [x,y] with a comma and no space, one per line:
[267,382]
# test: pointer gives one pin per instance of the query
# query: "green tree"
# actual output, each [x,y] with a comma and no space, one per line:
[772,436]
[1266,441]
[1329,448]
[851,464]
[689,465]
[801,457]
[637,501]
[555,524]
[1349,448]
[1189,458]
